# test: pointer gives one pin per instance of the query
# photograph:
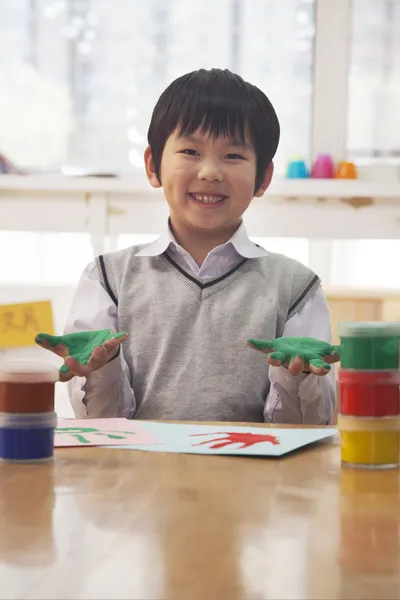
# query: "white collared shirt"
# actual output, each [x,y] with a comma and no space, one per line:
[217,262]
[307,399]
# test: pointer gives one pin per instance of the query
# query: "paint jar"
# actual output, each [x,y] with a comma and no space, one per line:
[27,437]
[369,393]
[27,387]
[370,442]
[369,346]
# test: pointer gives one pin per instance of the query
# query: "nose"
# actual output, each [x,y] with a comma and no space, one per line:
[210,171]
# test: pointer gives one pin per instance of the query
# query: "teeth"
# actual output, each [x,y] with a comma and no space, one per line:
[208,199]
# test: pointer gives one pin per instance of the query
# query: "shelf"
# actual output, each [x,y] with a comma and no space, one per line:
[333,189]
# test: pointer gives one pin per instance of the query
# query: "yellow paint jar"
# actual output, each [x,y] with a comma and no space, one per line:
[370,442]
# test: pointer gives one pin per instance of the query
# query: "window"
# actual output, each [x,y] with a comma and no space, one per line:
[127,239]
[297,248]
[43,258]
[80,78]
[374,80]
[368,264]
[83,75]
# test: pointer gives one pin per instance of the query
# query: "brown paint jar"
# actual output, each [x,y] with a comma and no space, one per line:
[27,387]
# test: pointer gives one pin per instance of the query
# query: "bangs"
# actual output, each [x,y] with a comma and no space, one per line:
[214,105]
[218,117]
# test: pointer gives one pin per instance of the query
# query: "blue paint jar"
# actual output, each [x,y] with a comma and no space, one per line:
[27,437]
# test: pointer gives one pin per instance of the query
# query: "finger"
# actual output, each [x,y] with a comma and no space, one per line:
[274,362]
[265,346]
[76,368]
[277,356]
[60,349]
[111,345]
[98,359]
[46,346]
[66,376]
[120,335]
[320,371]
[50,340]
[296,365]
[319,367]
[318,362]
[332,358]
[277,359]
[100,356]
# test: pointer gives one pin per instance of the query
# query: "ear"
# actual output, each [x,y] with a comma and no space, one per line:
[266,180]
[150,168]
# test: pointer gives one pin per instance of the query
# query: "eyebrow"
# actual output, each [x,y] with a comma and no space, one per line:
[233,141]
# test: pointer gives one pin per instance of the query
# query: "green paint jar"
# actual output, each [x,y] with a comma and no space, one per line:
[369,346]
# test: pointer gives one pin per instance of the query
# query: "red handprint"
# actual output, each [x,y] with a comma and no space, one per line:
[245,439]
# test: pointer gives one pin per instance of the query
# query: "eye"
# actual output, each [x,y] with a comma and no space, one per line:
[189,152]
[235,156]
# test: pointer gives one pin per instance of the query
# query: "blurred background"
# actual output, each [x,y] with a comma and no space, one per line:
[79,80]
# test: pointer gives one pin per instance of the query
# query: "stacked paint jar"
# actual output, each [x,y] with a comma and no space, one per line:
[27,416]
[369,382]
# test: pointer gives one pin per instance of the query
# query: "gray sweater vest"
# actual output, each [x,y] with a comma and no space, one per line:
[186,349]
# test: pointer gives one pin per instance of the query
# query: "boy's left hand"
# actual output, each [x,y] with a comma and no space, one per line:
[299,355]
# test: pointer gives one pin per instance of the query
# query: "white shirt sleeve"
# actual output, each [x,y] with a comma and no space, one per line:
[107,392]
[305,398]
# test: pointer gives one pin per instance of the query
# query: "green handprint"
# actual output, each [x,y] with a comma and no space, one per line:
[80,432]
[79,345]
[314,352]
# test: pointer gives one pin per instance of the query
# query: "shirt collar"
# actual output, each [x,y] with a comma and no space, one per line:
[240,242]
[244,246]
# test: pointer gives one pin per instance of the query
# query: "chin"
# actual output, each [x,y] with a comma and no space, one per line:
[208,225]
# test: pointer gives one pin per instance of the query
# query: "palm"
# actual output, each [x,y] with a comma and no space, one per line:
[285,350]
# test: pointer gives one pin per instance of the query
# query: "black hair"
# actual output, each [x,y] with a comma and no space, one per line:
[220,103]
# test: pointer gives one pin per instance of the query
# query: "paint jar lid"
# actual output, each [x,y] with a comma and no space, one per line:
[371,329]
[28,371]
[371,377]
[368,424]
[28,420]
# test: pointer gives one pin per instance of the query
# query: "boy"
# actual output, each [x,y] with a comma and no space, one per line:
[189,300]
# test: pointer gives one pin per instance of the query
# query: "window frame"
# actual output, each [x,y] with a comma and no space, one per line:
[332,57]
[330,84]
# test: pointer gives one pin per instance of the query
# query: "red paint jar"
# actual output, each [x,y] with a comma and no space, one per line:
[369,393]
[27,387]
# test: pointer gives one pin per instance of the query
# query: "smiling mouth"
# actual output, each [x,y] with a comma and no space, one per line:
[208,198]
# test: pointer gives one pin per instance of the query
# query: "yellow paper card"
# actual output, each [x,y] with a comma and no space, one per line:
[19,323]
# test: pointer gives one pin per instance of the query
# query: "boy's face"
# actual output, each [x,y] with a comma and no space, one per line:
[208,183]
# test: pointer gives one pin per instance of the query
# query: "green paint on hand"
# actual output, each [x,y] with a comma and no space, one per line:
[80,345]
[311,350]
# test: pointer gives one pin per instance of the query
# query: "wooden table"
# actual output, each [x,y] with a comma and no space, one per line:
[106,523]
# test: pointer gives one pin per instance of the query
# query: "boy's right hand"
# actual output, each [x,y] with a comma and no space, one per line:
[83,352]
